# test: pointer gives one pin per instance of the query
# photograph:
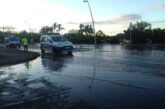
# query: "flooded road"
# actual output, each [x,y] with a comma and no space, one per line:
[108,77]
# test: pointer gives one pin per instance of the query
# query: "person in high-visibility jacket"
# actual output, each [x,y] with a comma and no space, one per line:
[25,43]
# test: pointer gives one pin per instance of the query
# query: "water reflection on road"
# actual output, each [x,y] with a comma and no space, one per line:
[105,77]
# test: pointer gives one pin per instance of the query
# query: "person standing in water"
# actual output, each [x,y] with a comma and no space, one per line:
[25,43]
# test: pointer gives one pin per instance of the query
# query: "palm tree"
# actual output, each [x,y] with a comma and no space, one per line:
[88,29]
[54,26]
[81,26]
[59,28]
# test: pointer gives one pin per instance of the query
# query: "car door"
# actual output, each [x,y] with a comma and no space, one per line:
[44,43]
[49,44]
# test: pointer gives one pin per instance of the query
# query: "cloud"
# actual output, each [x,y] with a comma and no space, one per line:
[158,6]
[37,12]
[159,21]
[73,23]
[123,18]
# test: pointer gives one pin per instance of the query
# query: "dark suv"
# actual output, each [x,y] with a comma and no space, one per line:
[12,42]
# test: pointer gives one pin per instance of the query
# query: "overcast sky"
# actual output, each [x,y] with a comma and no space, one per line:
[111,16]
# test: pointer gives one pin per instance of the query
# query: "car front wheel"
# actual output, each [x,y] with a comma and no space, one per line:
[69,52]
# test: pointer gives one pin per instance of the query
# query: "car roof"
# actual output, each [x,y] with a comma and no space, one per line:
[11,37]
[51,35]
[55,35]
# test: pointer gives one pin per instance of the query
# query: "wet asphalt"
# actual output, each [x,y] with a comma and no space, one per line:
[105,77]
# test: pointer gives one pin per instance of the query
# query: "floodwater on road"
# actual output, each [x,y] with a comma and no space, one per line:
[107,77]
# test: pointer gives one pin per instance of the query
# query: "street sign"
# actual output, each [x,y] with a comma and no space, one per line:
[130,26]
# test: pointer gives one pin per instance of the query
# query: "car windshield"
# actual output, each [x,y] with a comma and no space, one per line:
[59,38]
[14,39]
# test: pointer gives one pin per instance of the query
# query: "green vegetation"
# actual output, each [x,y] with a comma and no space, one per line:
[57,28]
[141,33]
[35,36]
[85,35]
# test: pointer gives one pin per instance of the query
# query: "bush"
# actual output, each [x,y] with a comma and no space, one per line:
[79,39]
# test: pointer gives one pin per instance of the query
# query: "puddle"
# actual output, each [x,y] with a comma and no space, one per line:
[107,76]
[36,85]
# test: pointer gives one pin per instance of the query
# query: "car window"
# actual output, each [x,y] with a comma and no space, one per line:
[43,39]
[14,39]
[50,41]
[59,39]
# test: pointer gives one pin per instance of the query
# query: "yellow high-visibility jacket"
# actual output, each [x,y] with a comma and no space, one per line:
[25,41]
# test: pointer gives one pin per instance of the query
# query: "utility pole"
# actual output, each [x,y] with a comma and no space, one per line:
[93,23]
[29,30]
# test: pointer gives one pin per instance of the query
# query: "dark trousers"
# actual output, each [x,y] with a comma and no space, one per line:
[25,47]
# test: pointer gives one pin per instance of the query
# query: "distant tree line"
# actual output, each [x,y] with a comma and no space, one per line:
[85,35]
[142,33]
[57,28]
[35,36]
